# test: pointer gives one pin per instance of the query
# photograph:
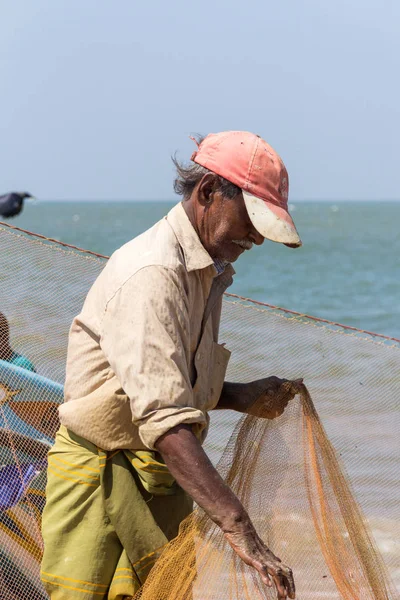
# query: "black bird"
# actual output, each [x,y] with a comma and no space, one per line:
[11,204]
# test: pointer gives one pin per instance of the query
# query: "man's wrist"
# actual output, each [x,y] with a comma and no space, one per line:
[237,524]
[236,396]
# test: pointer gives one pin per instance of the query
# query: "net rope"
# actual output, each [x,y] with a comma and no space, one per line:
[325,498]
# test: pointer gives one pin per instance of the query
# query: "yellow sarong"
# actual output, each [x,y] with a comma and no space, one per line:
[102,530]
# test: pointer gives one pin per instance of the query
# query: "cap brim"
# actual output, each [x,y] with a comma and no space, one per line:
[273,222]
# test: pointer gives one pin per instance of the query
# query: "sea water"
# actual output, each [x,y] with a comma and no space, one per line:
[346,271]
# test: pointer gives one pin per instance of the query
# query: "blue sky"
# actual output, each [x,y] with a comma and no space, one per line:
[96,95]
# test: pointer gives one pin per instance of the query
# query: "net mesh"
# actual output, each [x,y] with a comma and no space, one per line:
[326,500]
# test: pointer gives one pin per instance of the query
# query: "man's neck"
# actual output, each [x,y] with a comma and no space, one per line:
[188,207]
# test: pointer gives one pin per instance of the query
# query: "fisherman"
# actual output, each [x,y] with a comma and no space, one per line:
[6,352]
[145,367]
[11,204]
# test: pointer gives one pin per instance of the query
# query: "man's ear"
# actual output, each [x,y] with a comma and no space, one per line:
[207,188]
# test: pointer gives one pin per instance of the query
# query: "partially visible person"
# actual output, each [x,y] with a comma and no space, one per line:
[11,204]
[6,352]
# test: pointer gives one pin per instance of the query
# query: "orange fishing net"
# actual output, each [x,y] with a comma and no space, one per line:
[287,475]
[326,501]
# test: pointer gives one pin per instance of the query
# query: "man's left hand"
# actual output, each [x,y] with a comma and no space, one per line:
[269,397]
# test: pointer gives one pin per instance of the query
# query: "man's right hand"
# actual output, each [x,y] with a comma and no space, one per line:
[192,469]
[252,550]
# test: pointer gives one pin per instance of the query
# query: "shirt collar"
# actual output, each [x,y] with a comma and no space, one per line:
[196,256]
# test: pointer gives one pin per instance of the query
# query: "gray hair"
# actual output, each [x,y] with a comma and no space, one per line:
[188,176]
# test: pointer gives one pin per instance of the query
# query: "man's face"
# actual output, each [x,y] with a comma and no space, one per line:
[225,228]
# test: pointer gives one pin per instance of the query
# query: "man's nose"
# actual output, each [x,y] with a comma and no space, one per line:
[256,237]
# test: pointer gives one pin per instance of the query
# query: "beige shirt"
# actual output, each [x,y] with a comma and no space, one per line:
[143,355]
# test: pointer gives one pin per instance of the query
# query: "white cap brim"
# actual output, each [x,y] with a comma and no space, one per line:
[273,222]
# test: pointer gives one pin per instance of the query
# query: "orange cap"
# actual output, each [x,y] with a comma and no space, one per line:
[246,160]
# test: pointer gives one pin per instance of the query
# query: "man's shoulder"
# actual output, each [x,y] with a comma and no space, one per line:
[155,250]
[158,246]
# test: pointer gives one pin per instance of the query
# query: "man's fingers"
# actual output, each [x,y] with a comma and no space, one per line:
[293,387]
[298,384]
[284,582]
[266,578]
[289,582]
[280,588]
[274,572]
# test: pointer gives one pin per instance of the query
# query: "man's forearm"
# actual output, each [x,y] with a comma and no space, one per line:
[192,469]
[189,464]
[235,396]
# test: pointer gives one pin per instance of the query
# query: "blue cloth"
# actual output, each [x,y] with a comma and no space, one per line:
[21,361]
[220,265]
[14,483]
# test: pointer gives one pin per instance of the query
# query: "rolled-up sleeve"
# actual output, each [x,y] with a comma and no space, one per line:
[145,336]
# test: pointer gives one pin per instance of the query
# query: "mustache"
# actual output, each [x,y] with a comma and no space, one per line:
[246,244]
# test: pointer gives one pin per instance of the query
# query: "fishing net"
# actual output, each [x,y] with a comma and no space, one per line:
[324,498]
